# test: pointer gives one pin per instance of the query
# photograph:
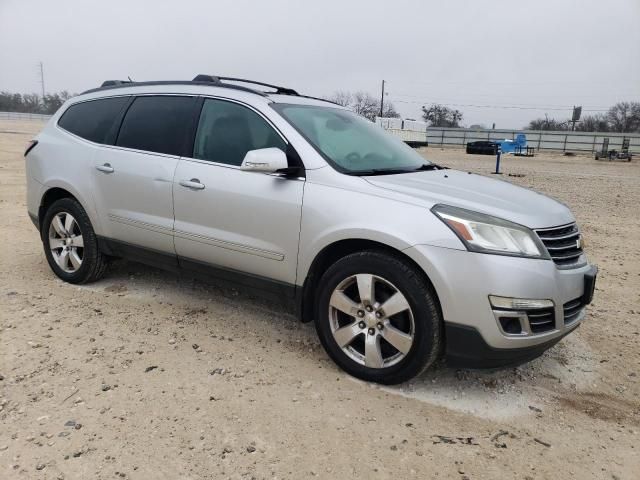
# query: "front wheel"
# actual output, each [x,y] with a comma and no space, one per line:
[378,317]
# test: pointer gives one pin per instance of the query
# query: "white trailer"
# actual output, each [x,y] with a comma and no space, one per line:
[411,132]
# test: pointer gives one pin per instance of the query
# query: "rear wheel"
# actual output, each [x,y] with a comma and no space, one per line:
[378,317]
[70,243]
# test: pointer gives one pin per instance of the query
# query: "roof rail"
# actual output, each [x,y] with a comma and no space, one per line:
[203,79]
[206,78]
[114,84]
[216,79]
[111,83]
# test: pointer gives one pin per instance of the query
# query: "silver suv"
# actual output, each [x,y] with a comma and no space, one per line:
[397,260]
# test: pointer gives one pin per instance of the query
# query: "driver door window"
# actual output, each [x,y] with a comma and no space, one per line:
[227,131]
[245,221]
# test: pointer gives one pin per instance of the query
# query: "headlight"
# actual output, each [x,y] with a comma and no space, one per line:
[487,234]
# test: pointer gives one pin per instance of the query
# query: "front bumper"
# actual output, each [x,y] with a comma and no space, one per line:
[464,281]
[467,349]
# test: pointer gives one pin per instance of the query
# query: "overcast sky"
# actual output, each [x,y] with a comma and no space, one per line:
[543,54]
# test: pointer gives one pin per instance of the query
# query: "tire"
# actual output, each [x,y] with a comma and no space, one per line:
[93,263]
[421,321]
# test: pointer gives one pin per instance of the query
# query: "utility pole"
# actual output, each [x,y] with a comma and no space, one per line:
[42,80]
[382,100]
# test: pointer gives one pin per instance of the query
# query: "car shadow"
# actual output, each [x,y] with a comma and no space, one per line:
[496,394]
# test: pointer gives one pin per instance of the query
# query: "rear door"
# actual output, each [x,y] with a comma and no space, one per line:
[133,178]
[238,220]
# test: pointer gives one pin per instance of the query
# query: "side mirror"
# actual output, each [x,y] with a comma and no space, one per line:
[265,160]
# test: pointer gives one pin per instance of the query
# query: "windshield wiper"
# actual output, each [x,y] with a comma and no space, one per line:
[428,166]
[395,171]
[383,171]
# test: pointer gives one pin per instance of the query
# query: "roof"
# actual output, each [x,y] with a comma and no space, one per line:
[223,86]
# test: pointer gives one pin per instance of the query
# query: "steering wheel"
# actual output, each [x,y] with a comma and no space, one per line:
[374,157]
[353,157]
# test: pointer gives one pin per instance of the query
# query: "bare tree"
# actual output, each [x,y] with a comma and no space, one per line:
[624,117]
[11,102]
[341,98]
[52,102]
[441,116]
[593,123]
[389,110]
[32,102]
[364,104]
[547,123]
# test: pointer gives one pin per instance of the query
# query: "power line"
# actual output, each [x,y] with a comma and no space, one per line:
[568,83]
[404,95]
[516,106]
[497,107]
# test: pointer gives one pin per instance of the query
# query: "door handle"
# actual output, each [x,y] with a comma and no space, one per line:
[194,184]
[106,168]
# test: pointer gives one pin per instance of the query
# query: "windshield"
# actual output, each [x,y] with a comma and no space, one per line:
[350,143]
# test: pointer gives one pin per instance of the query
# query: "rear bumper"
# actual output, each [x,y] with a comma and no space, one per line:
[467,349]
[34,219]
[35,192]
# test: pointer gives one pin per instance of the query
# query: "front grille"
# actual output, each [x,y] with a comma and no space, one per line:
[563,243]
[572,309]
[541,320]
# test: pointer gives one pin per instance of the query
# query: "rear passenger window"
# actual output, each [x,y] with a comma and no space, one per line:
[157,124]
[227,131]
[93,120]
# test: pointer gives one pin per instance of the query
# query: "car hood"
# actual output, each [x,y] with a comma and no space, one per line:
[478,193]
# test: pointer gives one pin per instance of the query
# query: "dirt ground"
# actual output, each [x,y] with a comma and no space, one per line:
[145,375]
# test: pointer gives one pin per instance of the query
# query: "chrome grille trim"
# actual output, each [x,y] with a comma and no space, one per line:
[572,310]
[541,321]
[563,244]
[575,234]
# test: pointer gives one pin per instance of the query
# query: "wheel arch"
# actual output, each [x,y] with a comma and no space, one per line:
[333,252]
[57,191]
[50,196]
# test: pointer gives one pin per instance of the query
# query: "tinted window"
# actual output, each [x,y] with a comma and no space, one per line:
[157,124]
[227,131]
[92,120]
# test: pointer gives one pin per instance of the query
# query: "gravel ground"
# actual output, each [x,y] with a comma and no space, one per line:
[145,375]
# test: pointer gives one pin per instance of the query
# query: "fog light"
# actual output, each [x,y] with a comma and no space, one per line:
[508,303]
[511,325]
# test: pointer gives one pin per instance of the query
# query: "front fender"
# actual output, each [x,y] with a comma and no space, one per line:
[331,214]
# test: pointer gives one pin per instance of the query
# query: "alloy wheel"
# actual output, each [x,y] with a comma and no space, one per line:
[66,242]
[371,320]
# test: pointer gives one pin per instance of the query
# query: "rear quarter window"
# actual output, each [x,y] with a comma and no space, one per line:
[93,120]
[157,124]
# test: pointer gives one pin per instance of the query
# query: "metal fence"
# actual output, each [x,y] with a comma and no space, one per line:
[24,116]
[540,140]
